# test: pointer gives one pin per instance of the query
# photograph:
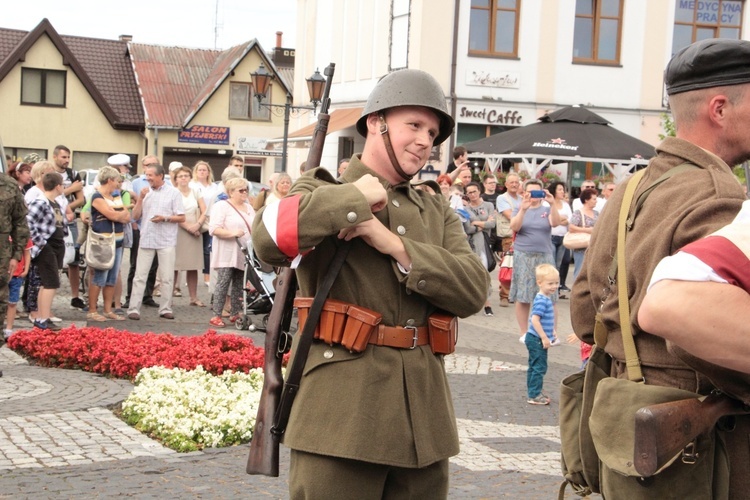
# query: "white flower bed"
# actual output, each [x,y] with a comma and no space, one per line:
[192,409]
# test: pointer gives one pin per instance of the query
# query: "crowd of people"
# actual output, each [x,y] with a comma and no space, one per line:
[151,215]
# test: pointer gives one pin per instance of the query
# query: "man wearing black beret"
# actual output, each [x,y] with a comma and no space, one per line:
[708,84]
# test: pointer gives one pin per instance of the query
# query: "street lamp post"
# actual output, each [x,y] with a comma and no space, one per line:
[315,85]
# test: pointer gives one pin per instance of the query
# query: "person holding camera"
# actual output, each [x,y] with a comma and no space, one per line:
[532,223]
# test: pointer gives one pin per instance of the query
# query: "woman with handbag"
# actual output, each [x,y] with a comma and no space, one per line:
[107,219]
[583,221]
[561,253]
[189,238]
[230,220]
[532,223]
[477,227]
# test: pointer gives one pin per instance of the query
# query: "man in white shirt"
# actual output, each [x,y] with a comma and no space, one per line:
[587,184]
[160,209]
[506,204]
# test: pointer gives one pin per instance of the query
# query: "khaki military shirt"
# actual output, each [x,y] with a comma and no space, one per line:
[12,217]
[385,405]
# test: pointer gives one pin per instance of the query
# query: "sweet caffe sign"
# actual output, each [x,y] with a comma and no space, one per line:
[493,115]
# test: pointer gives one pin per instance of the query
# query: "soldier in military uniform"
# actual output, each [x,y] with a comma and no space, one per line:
[13,225]
[379,423]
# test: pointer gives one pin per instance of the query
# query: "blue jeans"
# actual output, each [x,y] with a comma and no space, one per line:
[537,365]
[578,261]
[562,258]
[206,253]
[108,277]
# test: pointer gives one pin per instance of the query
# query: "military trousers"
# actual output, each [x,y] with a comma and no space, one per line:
[313,476]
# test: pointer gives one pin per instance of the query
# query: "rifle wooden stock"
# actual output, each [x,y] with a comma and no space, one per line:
[264,447]
[663,430]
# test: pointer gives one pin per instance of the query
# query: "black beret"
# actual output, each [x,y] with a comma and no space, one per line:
[708,63]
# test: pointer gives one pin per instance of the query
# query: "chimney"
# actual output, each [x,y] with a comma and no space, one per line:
[126,38]
[278,39]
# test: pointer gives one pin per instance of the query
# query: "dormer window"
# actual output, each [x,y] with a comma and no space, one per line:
[43,87]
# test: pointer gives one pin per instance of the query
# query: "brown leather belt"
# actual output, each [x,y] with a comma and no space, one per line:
[400,337]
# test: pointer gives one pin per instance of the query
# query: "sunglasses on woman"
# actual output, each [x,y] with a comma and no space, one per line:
[243,191]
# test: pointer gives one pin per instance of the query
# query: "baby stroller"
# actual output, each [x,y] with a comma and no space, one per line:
[257,299]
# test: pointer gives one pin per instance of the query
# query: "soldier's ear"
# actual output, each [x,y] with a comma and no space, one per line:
[373,124]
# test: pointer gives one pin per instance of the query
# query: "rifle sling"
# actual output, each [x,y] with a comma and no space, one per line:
[294,374]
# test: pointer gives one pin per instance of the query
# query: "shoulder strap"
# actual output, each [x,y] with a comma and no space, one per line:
[642,197]
[72,174]
[631,355]
[628,213]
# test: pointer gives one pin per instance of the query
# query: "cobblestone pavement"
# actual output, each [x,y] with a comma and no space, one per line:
[58,439]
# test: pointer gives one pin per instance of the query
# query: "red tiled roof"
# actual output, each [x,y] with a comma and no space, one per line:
[137,85]
[102,66]
[169,79]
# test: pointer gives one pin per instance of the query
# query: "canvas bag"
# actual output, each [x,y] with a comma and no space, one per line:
[505,275]
[100,250]
[502,225]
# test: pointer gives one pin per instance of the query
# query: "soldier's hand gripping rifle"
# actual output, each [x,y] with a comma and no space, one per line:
[264,447]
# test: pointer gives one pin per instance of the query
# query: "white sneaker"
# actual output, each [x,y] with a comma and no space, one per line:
[522,339]
[7,333]
[55,319]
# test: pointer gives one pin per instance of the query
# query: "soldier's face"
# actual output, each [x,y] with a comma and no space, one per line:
[412,130]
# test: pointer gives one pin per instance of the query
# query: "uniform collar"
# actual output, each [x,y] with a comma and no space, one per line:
[692,153]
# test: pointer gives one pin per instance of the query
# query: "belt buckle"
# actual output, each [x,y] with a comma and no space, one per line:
[415,336]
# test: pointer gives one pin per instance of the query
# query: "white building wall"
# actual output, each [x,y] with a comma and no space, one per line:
[355,35]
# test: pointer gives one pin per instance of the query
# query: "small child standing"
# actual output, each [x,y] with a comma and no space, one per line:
[541,333]
[14,287]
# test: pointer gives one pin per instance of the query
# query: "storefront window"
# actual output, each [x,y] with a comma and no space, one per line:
[696,20]
[597,31]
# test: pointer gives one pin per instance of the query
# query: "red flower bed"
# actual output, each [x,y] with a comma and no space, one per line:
[122,354]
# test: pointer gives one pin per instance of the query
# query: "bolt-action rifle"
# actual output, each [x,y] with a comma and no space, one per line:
[270,423]
[664,430]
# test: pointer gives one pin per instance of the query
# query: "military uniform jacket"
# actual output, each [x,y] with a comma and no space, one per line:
[385,405]
[685,208]
[12,219]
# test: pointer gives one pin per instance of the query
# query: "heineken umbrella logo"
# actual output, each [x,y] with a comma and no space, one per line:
[555,144]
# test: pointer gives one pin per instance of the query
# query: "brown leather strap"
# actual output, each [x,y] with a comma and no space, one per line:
[249,231]
[400,337]
[389,149]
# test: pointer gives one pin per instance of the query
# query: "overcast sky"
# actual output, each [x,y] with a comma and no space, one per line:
[186,23]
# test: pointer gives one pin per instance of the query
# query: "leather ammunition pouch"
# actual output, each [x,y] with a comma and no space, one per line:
[354,327]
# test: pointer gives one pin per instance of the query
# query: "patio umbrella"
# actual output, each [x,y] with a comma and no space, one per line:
[564,134]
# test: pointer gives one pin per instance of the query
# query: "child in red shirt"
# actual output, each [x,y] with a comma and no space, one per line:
[14,287]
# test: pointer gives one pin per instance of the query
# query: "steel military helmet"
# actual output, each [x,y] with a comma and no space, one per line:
[408,87]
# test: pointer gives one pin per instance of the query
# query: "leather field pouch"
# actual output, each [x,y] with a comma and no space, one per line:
[303,305]
[443,332]
[330,328]
[332,321]
[700,471]
[580,462]
[360,323]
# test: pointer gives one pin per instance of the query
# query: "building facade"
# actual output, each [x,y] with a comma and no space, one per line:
[100,97]
[504,63]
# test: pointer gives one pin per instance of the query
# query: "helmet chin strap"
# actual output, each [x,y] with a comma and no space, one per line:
[389,149]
